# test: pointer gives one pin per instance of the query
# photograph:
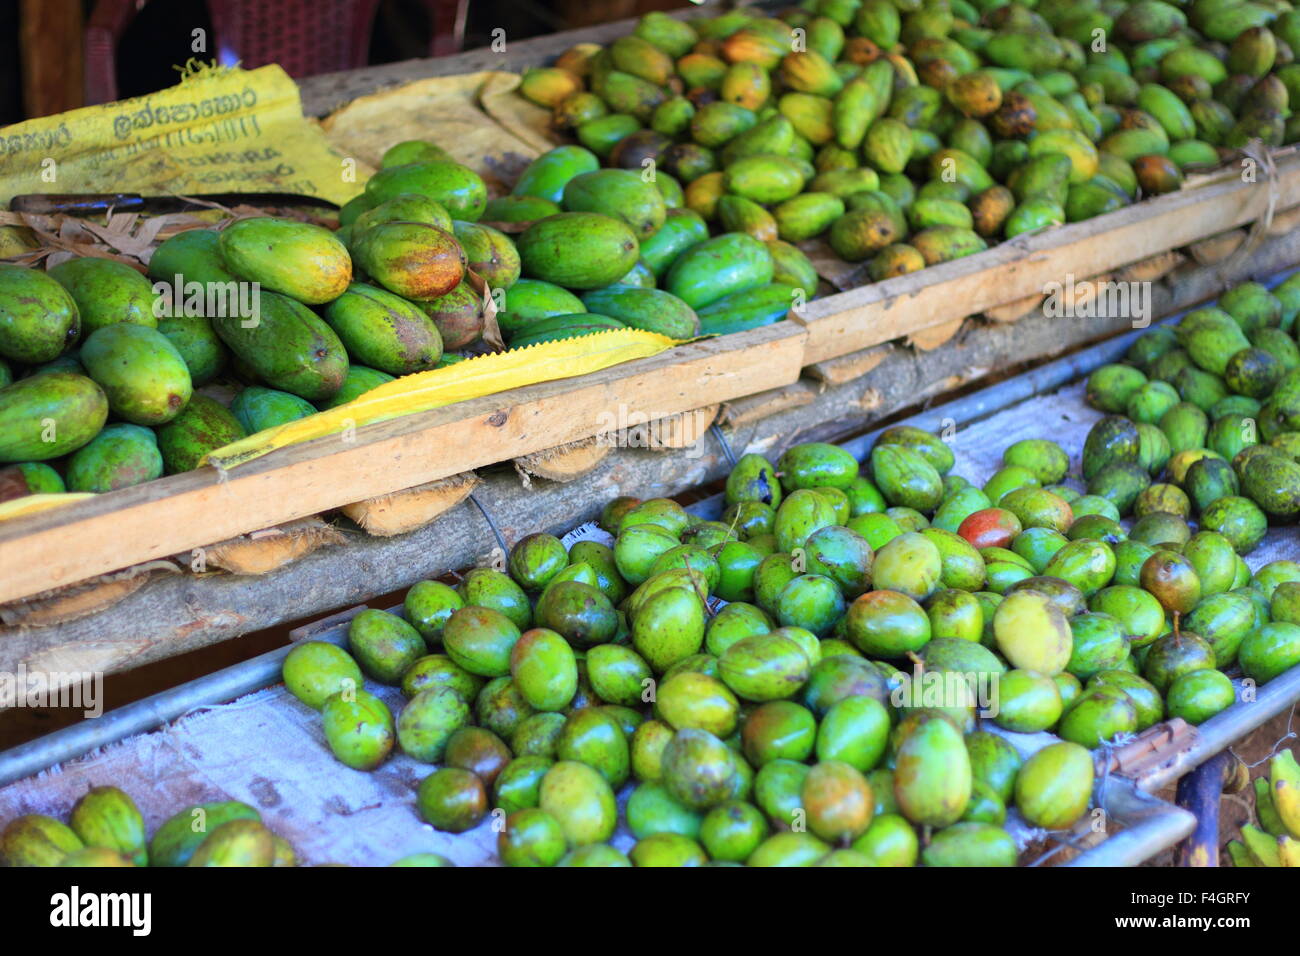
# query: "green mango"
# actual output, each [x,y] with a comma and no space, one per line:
[1054,786]
[580,612]
[239,843]
[698,769]
[1270,650]
[1112,440]
[1198,696]
[578,250]
[47,416]
[544,669]
[203,426]
[592,737]
[38,316]
[259,408]
[944,243]
[531,837]
[191,256]
[932,775]
[529,300]
[773,136]
[668,627]
[194,338]
[748,309]
[905,477]
[479,639]
[106,817]
[1028,702]
[692,699]
[411,151]
[118,457]
[141,372]
[489,253]
[860,102]
[300,260]
[1273,482]
[174,843]
[518,785]
[405,207]
[516,209]
[359,726]
[452,799]
[106,292]
[384,645]
[653,310]
[1035,213]
[682,228]
[1111,387]
[600,136]
[559,327]
[994,763]
[620,194]
[456,188]
[802,513]
[971,844]
[288,347]
[316,670]
[412,259]
[764,667]
[359,380]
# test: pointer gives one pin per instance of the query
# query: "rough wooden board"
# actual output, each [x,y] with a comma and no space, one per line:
[1013,311]
[1217,248]
[675,431]
[410,508]
[1284,222]
[1152,268]
[1075,297]
[263,551]
[173,615]
[187,511]
[750,408]
[845,368]
[82,600]
[565,462]
[935,335]
[1024,266]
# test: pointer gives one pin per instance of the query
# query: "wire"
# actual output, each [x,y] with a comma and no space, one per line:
[722,440]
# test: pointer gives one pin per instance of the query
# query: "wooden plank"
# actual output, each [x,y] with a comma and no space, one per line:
[1022,267]
[187,511]
[49,44]
[175,613]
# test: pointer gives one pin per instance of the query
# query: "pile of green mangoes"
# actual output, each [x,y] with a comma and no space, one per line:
[106,829]
[606,249]
[100,369]
[1215,402]
[799,682]
[912,132]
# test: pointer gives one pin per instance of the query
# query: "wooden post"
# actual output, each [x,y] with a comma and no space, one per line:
[49,41]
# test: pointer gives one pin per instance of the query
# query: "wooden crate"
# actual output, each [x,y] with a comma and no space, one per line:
[177,514]
[190,510]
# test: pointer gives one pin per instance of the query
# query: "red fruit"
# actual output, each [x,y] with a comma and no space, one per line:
[990,528]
